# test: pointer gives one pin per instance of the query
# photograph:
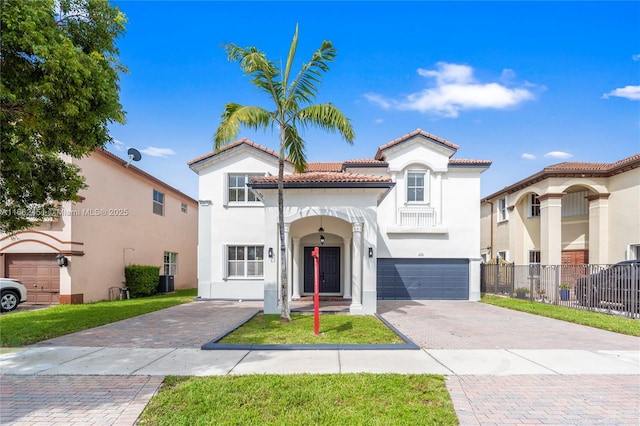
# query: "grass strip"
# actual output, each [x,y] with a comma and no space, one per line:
[329,399]
[335,328]
[593,319]
[24,328]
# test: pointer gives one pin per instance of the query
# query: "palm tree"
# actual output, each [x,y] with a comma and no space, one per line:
[293,108]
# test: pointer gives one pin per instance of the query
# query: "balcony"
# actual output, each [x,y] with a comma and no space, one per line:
[417,220]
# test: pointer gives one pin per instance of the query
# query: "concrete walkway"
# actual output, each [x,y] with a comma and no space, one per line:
[502,366]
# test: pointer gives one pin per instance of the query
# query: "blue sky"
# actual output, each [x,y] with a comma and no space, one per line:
[523,84]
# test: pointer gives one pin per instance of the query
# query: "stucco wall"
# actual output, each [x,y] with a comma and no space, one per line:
[624,210]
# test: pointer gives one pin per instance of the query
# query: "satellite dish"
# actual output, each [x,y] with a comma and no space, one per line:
[134,155]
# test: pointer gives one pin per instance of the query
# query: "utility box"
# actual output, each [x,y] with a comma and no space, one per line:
[165,284]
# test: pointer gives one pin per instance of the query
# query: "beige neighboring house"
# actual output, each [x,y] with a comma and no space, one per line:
[126,216]
[569,213]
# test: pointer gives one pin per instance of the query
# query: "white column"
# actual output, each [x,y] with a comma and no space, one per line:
[598,228]
[287,227]
[347,268]
[356,271]
[551,229]
[295,294]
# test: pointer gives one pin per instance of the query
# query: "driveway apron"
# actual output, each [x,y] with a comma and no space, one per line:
[459,337]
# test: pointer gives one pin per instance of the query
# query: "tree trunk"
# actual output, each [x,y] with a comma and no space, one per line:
[284,285]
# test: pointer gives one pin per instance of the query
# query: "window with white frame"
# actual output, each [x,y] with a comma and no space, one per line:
[158,203]
[503,212]
[417,187]
[534,205]
[504,255]
[170,263]
[238,192]
[183,207]
[245,261]
[534,262]
[633,251]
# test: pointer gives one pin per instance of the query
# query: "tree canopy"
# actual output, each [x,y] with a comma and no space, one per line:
[59,92]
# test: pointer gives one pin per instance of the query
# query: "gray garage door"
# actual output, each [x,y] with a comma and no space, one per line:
[423,279]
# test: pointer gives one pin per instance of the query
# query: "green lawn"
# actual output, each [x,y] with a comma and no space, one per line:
[334,329]
[592,319]
[302,399]
[24,328]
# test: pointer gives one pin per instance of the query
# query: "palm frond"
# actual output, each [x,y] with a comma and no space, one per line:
[294,148]
[263,72]
[290,58]
[304,88]
[327,117]
[235,116]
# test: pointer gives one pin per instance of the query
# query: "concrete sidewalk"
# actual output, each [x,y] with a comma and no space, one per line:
[83,361]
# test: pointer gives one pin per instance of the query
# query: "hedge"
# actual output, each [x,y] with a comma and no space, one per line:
[142,280]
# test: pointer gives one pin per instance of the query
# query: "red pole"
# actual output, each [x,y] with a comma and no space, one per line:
[316,290]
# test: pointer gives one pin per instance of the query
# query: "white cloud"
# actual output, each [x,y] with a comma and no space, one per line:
[630,92]
[374,98]
[558,154]
[118,144]
[528,156]
[456,90]
[378,121]
[636,57]
[158,152]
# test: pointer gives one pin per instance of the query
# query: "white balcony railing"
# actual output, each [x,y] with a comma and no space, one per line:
[417,217]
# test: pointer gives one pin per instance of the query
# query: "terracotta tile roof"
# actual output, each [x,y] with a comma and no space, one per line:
[231,146]
[324,167]
[324,177]
[572,169]
[464,161]
[401,139]
[364,161]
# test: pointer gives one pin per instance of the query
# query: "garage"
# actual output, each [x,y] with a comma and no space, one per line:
[40,273]
[423,279]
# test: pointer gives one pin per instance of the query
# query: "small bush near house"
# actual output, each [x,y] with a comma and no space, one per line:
[142,280]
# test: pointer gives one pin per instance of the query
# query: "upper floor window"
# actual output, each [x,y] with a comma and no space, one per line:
[245,261]
[534,205]
[158,203]
[503,212]
[237,187]
[170,263]
[575,204]
[417,187]
[183,207]
[504,255]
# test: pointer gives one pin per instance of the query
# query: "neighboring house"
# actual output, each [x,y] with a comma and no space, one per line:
[569,213]
[401,225]
[126,216]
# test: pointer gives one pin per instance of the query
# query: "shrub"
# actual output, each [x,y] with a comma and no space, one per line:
[142,280]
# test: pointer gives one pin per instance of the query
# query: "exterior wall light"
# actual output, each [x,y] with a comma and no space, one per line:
[62,260]
[322,239]
[270,252]
[370,251]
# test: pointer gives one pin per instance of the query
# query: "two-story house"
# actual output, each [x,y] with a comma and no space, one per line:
[126,216]
[567,214]
[401,225]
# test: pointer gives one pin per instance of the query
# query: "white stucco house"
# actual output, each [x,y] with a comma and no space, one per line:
[401,225]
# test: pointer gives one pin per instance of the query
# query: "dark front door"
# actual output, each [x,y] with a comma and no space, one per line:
[329,270]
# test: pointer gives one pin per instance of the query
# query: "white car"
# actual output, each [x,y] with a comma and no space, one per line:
[12,293]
